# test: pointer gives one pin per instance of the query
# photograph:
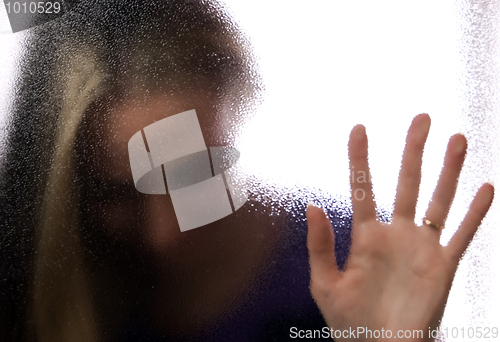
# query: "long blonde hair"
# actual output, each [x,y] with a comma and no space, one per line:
[62,305]
[61,296]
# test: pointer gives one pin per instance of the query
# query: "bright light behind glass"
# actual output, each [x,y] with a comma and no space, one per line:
[10,49]
[328,65]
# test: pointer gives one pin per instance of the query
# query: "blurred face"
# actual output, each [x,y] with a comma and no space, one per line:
[206,265]
[120,209]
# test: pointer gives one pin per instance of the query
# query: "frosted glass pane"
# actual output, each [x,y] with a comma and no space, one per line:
[125,124]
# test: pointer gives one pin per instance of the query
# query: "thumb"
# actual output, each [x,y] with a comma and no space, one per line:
[320,243]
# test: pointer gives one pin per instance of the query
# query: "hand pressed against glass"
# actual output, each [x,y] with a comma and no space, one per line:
[398,275]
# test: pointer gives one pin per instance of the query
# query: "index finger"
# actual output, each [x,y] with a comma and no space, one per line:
[363,204]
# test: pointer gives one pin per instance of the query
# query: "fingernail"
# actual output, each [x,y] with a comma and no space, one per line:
[359,132]
[460,146]
[426,125]
[488,196]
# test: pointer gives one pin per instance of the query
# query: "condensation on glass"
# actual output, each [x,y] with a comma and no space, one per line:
[271,91]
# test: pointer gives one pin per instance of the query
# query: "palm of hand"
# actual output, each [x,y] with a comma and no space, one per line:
[398,275]
[388,262]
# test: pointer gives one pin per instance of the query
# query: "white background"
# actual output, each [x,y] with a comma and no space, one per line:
[328,65]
